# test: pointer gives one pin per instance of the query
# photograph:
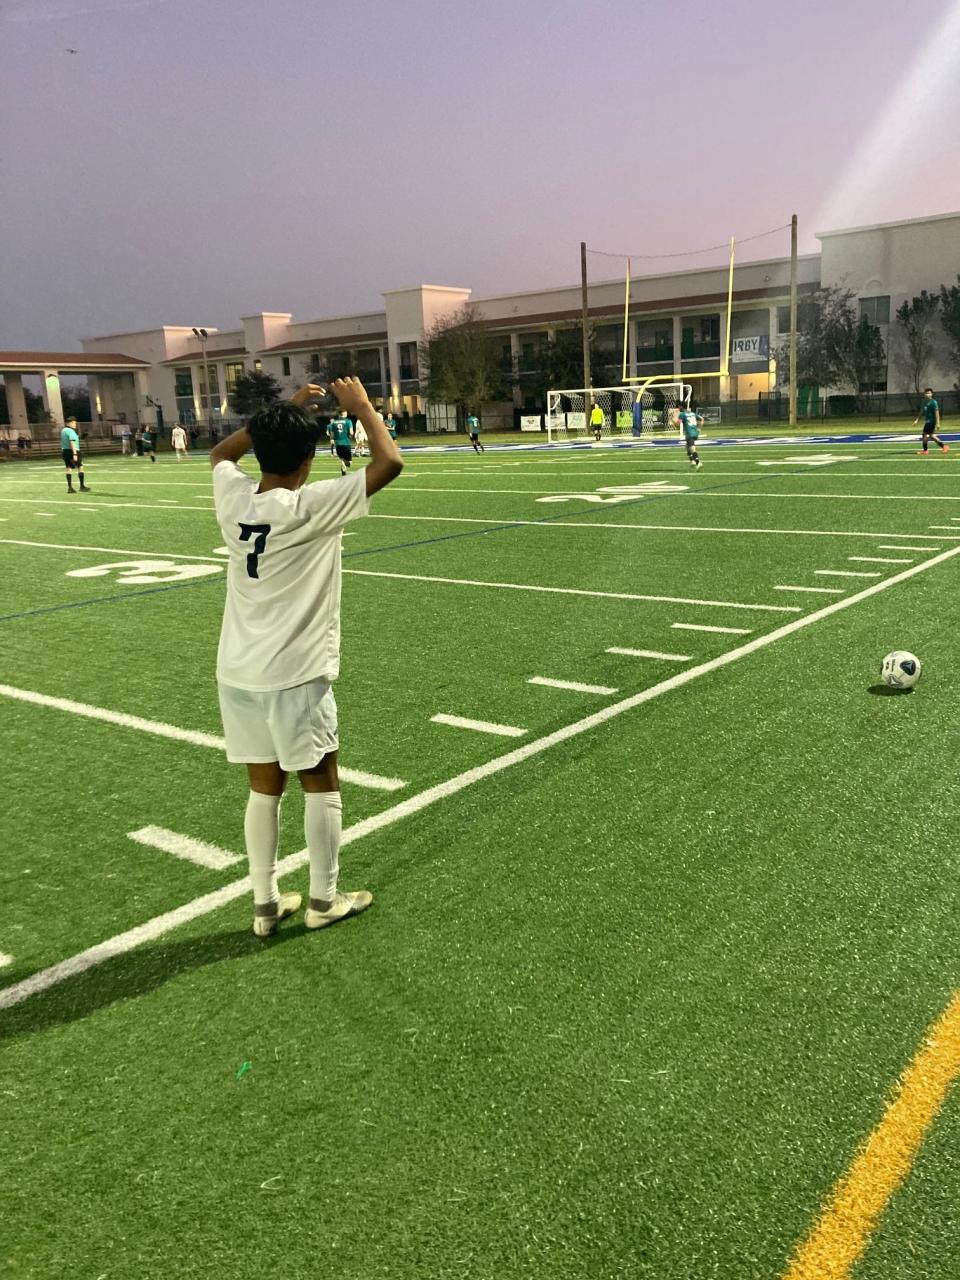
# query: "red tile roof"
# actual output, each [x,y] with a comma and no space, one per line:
[28,360]
[196,357]
[316,344]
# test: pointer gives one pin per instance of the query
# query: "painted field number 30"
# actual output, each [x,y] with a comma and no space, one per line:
[137,572]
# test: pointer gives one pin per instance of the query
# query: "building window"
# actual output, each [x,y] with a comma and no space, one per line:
[876,310]
[532,345]
[368,365]
[183,379]
[409,368]
[258,365]
[285,362]
[315,362]
[231,372]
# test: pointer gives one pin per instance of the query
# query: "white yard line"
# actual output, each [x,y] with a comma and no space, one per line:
[697,626]
[109,506]
[357,777]
[572,685]
[110,551]
[845,573]
[692,493]
[196,851]
[944,526]
[209,902]
[49,515]
[547,523]
[651,653]
[879,560]
[822,591]
[904,546]
[479,726]
[566,591]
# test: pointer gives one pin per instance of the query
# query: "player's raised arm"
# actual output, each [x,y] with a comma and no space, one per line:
[232,448]
[385,460]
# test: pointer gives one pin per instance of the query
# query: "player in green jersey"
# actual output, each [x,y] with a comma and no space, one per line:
[930,411]
[690,424]
[340,431]
[473,431]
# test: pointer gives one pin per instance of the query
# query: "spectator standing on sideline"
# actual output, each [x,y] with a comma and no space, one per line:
[124,440]
[390,423]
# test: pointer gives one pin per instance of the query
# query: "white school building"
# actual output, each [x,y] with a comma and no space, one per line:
[677,326]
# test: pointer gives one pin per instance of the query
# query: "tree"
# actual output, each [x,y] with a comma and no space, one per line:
[950,321]
[461,359]
[916,320]
[253,390]
[76,402]
[835,346]
[561,363]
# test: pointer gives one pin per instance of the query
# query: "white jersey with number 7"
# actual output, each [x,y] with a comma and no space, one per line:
[281,620]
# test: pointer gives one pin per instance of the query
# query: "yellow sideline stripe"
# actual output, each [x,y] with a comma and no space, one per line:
[884,1160]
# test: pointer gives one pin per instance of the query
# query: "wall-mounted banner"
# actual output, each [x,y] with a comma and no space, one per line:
[743,349]
[531,422]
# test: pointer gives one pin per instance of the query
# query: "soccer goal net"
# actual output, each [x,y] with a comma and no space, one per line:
[628,412]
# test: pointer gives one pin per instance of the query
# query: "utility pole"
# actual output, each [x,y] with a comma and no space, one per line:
[793,322]
[586,332]
[202,335]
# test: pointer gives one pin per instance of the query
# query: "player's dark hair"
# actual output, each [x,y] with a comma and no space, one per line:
[284,436]
[926,389]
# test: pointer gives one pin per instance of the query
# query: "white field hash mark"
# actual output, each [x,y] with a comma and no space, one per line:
[150,930]
[5,960]
[651,653]
[879,560]
[844,573]
[479,726]
[572,685]
[820,591]
[196,851]
[697,626]
[193,736]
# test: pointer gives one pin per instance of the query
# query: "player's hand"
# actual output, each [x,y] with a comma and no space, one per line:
[311,391]
[351,394]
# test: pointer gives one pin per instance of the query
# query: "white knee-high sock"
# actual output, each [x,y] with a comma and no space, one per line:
[261,829]
[322,820]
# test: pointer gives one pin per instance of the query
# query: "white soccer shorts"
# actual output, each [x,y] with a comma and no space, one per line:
[296,727]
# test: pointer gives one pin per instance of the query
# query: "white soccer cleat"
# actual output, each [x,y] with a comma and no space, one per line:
[265,920]
[343,905]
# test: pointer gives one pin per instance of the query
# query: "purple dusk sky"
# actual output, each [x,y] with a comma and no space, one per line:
[199,159]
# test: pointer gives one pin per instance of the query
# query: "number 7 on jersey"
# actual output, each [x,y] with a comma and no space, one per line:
[259,545]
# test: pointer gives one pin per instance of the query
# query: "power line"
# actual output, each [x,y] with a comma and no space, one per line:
[688,253]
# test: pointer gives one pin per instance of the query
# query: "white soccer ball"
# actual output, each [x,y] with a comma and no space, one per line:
[900,670]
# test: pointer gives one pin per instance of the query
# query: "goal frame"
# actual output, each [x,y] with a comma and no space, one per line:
[634,390]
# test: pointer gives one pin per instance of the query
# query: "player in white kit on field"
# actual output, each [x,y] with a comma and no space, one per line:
[280,639]
[178,438]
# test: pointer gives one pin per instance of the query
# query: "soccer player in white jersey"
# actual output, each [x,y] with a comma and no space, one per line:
[280,640]
[178,438]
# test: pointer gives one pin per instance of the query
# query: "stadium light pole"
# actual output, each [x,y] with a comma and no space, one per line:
[202,335]
[583,311]
[793,322]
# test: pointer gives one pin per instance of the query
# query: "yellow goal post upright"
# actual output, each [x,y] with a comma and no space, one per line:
[648,380]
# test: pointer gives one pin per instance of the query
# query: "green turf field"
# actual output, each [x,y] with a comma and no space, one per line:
[641,973]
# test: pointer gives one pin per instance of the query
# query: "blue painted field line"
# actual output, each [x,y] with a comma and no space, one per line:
[127,595]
